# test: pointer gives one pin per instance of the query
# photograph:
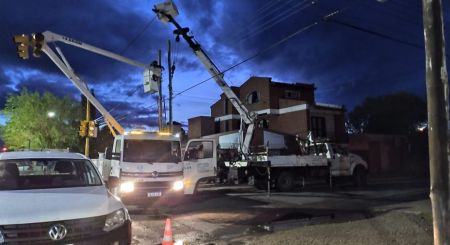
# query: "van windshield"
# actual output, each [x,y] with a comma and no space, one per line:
[150,151]
[22,174]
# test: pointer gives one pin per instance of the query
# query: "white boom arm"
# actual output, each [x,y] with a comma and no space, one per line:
[65,68]
[42,39]
[166,12]
[53,37]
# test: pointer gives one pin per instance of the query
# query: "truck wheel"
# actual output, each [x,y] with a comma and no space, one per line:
[285,182]
[360,177]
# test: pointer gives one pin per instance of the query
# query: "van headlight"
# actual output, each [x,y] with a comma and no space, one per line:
[127,187]
[178,185]
[115,219]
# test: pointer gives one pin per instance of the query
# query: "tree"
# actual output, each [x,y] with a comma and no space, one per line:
[398,113]
[41,121]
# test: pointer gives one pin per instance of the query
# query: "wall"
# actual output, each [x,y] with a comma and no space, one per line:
[383,153]
[200,126]
[261,85]
[289,123]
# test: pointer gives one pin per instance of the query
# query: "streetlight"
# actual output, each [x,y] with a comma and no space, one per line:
[51,114]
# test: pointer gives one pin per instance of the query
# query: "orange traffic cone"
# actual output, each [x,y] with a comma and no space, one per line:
[167,239]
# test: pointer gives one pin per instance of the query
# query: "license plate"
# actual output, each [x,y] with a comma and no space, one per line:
[154,194]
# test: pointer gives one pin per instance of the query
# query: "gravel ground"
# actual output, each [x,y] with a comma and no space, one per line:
[407,226]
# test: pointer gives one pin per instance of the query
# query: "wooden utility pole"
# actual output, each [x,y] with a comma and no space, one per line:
[170,85]
[438,132]
[88,118]
[160,108]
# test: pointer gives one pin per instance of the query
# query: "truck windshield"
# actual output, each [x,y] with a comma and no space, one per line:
[150,151]
[21,174]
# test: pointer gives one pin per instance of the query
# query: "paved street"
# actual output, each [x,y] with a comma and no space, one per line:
[243,215]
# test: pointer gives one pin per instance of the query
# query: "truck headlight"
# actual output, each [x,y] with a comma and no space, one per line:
[127,187]
[178,185]
[114,220]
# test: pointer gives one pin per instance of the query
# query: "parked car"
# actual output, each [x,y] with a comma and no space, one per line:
[58,197]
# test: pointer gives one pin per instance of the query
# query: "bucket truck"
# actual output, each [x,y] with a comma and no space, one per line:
[147,163]
[204,158]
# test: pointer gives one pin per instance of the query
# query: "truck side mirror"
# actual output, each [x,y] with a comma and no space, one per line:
[113,182]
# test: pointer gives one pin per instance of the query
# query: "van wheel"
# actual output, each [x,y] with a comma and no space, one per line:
[360,177]
[285,182]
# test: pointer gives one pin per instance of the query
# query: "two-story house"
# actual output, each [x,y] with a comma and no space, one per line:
[282,107]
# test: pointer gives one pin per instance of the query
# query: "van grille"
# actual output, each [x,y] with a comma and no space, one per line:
[151,175]
[37,233]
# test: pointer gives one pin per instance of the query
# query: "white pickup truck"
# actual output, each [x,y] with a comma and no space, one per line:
[58,198]
[204,159]
[323,160]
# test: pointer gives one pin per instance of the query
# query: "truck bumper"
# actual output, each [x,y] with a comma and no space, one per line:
[121,235]
[146,193]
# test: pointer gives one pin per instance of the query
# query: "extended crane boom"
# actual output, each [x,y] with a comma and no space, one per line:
[39,42]
[166,12]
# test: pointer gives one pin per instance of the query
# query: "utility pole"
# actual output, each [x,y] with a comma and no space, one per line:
[171,70]
[165,114]
[160,95]
[88,118]
[438,118]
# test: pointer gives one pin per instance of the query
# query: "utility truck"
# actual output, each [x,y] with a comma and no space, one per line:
[277,165]
[148,164]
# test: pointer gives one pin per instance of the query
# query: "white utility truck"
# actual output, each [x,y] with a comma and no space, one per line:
[147,163]
[205,158]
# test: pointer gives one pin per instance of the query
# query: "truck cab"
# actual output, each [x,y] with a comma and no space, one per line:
[148,165]
[342,163]
[199,163]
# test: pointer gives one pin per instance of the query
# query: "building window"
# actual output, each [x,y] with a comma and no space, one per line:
[291,94]
[217,127]
[318,128]
[225,107]
[264,123]
[252,97]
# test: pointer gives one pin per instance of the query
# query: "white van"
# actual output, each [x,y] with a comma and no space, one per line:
[58,197]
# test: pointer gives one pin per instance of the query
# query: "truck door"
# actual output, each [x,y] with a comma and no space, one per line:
[199,162]
[340,164]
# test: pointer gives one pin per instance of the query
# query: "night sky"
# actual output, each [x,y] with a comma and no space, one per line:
[370,48]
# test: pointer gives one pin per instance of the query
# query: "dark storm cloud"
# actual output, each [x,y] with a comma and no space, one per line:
[5,88]
[345,64]
[99,23]
[42,84]
[128,113]
[348,64]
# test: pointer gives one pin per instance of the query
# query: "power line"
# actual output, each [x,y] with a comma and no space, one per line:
[281,41]
[279,18]
[261,16]
[266,6]
[375,33]
[131,42]
[136,37]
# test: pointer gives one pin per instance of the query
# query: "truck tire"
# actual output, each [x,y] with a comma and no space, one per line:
[360,177]
[285,181]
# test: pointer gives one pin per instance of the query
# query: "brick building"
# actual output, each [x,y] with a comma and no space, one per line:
[282,107]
